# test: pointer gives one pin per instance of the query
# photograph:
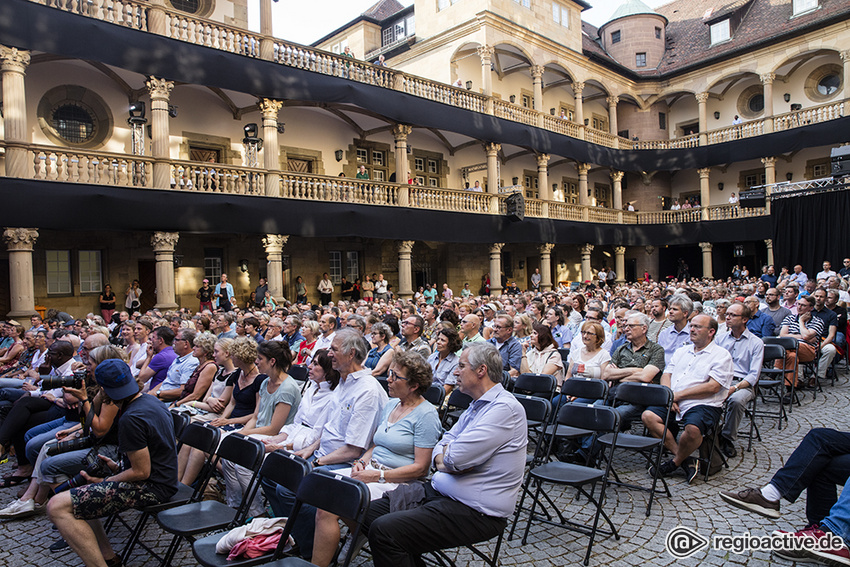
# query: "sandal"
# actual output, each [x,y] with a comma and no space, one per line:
[13,480]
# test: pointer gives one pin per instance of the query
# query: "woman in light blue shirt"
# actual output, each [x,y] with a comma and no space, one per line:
[444,359]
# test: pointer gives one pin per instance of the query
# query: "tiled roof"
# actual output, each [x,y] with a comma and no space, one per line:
[688,39]
[383,9]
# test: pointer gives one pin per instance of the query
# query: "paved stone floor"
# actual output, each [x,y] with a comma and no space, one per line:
[642,540]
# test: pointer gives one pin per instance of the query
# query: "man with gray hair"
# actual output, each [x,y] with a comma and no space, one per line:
[678,334]
[479,463]
[353,417]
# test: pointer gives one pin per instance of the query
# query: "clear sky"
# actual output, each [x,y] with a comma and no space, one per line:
[305,22]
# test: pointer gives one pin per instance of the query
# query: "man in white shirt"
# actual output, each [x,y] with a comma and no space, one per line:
[326,289]
[381,288]
[826,273]
[700,375]
[327,325]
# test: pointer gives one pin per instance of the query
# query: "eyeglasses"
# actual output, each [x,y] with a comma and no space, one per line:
[632,325]
[395,375]
[729,315]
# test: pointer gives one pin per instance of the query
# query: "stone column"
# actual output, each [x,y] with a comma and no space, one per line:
[612,113]
[769,244]
[845,58]
[160,91]
[405,268]
[578,87]
[769,179]
[401,132]
[707,271]
[543,182]
[583,196]
[537,81]
[271,147]
[586,273]
[13,66]
[704,191]
[19,242]
[496,267]
[273,245]
[617,180]
[702,102]
[767,80]
[493,175]
[266,30]
[156,17]
[620,263]
[485,52]
[546,266]
[163,244]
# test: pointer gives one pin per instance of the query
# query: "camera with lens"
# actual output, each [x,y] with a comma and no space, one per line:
[71,445]
[93,466]
[75,381]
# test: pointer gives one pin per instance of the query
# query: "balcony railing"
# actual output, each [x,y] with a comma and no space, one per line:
[217,178]
[95,168]
[214,35]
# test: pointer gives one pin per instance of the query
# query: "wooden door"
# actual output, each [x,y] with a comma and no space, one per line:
[147,281]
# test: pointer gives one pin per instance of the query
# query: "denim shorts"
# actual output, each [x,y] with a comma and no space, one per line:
[704,417]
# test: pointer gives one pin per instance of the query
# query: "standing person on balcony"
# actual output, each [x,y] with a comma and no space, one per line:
[326,289]
[476,187]
[676,206]
[733,200]
[224,294]
[133,293]
[362,173]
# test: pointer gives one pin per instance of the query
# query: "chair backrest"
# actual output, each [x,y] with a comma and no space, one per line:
[536,408]
[542,385]
[598,419]
[181,420]
[200,437]
[340,495]
[244,451]
[285,469]
[298,372]
[459,400]
[644,394]
[581,387]
[435,394]
[565,354]
[788,343]
[773,352]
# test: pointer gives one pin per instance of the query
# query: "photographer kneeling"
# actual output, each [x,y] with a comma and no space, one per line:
[149,474]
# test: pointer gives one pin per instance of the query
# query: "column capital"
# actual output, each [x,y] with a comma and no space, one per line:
[401,132]
[159,89]
[485,52]
[543,160]
[583,168]
[20,238]
[274,242]
[706,246]
[769,243]
[702,98]
[578,86]
[496,247]
[704,172]
[404,246]
[612,100]
[617,176]
[767,78]
[270,107]
[164,241]
[492,149]
[649,250]
[619,250]
[845,55]
[14,59]
[546,248]
[537,71]
[586,249]
[769,161]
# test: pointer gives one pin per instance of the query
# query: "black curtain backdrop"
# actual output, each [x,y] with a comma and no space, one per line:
[27,25]
[810,229]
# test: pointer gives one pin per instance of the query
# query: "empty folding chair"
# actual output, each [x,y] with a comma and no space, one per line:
[536,410]
[578,388]
[789,344]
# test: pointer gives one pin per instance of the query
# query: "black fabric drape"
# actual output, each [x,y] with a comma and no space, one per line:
[810,229]
[27,25]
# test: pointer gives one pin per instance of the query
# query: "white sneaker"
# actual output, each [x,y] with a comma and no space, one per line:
[21,509]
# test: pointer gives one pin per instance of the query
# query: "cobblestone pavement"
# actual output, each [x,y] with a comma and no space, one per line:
[642,539]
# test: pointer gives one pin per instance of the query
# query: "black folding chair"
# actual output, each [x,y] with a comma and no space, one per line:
[651,448]
[580,388]
[599,420]
[435,394]
[789,344]
[334,493]
[181,420]
[709,447]
[536,410]
[205,516]
[565,354]
[456,405]
[195,435]
[298,372]
[285,469]
[540,385]
[771,380]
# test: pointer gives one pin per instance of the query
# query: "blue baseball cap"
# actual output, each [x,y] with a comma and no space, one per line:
[115,378]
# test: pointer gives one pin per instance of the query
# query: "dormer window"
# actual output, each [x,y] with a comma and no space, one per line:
[803,6]
[615,36]
[720,32]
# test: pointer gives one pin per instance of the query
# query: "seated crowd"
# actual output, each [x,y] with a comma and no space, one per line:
[360,408]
